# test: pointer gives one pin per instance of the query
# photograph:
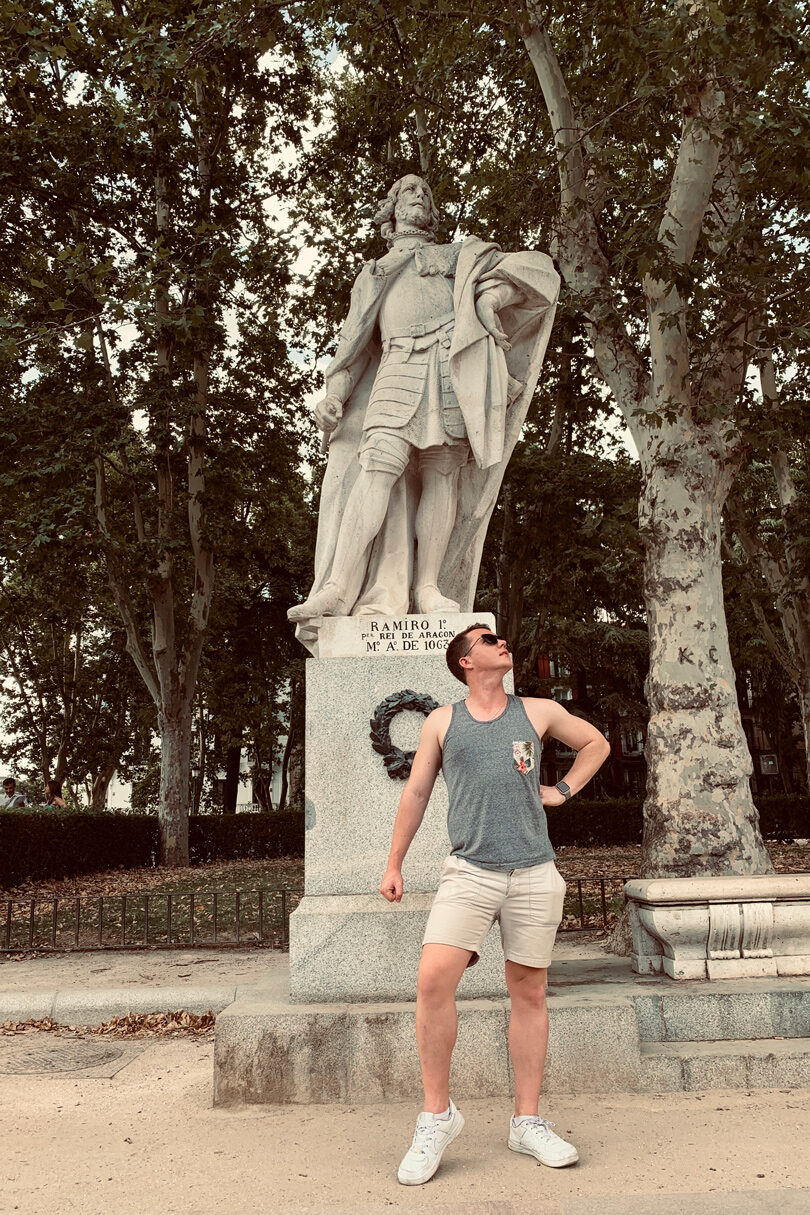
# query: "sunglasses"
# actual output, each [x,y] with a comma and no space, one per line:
[487,639]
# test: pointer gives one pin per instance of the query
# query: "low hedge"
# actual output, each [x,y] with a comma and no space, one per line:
[233,836]
[52,844]
[582,823]
[782,818]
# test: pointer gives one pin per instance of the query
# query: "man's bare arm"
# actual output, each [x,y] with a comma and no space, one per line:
[413,803]
[591,746]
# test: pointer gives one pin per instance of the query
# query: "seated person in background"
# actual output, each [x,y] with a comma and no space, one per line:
[11,799]
[53,794]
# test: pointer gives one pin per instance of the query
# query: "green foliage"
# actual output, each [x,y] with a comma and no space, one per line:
[229,837]
[784,817]
[596,823]
[632,72]
[149,408]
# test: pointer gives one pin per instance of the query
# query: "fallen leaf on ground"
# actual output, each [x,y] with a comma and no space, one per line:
[136,1025]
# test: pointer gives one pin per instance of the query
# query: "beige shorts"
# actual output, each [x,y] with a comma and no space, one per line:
[528,903]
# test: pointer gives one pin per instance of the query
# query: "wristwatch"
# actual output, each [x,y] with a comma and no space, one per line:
[563,788]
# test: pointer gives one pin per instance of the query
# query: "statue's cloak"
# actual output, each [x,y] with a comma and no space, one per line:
[494,390]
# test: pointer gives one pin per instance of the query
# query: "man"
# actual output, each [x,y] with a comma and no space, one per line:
[501,866]
[11,799]
[433,372]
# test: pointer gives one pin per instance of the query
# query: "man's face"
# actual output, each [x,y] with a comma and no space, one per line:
[8,787]
[413,205]
[487,656]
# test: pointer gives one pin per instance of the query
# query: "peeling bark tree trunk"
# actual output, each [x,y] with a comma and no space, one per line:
[699,815]
[175,767]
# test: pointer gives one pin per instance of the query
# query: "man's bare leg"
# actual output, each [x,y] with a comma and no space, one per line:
[434,525]
[440,971]
[362,520]
[528,1033]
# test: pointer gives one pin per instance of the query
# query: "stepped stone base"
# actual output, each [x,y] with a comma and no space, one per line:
[609,1032]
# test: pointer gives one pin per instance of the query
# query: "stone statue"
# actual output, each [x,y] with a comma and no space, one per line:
[425,398]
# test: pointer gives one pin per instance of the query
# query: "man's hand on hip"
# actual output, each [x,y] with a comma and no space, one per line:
[551,795]
[391,886]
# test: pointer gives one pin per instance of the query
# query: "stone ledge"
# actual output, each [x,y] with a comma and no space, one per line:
[771,887]
[695,1066]
[366,1053]
[721,927]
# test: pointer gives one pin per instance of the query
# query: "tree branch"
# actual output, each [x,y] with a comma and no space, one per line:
[140,529]
[120,591]
[579,253]
[678,233]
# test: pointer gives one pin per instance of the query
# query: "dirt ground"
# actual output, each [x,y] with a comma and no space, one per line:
[148,1142]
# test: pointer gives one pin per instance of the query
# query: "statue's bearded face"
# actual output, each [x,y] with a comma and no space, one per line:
[414,203]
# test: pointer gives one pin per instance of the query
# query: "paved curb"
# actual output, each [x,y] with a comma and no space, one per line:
[92,1006]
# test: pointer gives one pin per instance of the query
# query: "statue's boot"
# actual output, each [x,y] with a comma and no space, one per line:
[326,602]
[428,598]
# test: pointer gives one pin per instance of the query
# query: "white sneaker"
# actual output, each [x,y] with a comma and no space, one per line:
[432,1136]
[535,1137]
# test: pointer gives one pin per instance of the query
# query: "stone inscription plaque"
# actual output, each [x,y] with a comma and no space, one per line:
[387,636]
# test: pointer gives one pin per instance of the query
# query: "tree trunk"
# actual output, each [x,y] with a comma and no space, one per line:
[285,769]
[262,789]
[175,763]
[296,796]
[699,816]
[100,786]
[804,709]
[233,760]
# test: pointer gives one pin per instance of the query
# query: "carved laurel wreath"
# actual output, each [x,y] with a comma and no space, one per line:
[397,762]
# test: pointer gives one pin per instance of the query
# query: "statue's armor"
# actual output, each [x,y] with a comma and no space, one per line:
[412,403]
[421,296]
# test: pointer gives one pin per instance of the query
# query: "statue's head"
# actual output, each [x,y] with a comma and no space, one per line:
[408,206]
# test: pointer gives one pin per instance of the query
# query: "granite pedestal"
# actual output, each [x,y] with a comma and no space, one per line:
[346,942]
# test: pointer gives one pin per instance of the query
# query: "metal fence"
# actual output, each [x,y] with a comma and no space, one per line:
[218,918]
[222,918]
[592,902]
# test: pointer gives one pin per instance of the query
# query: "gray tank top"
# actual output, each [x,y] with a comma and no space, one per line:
[492,770]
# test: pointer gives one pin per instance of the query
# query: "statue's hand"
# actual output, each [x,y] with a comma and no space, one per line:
[328,413]
[489,319]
